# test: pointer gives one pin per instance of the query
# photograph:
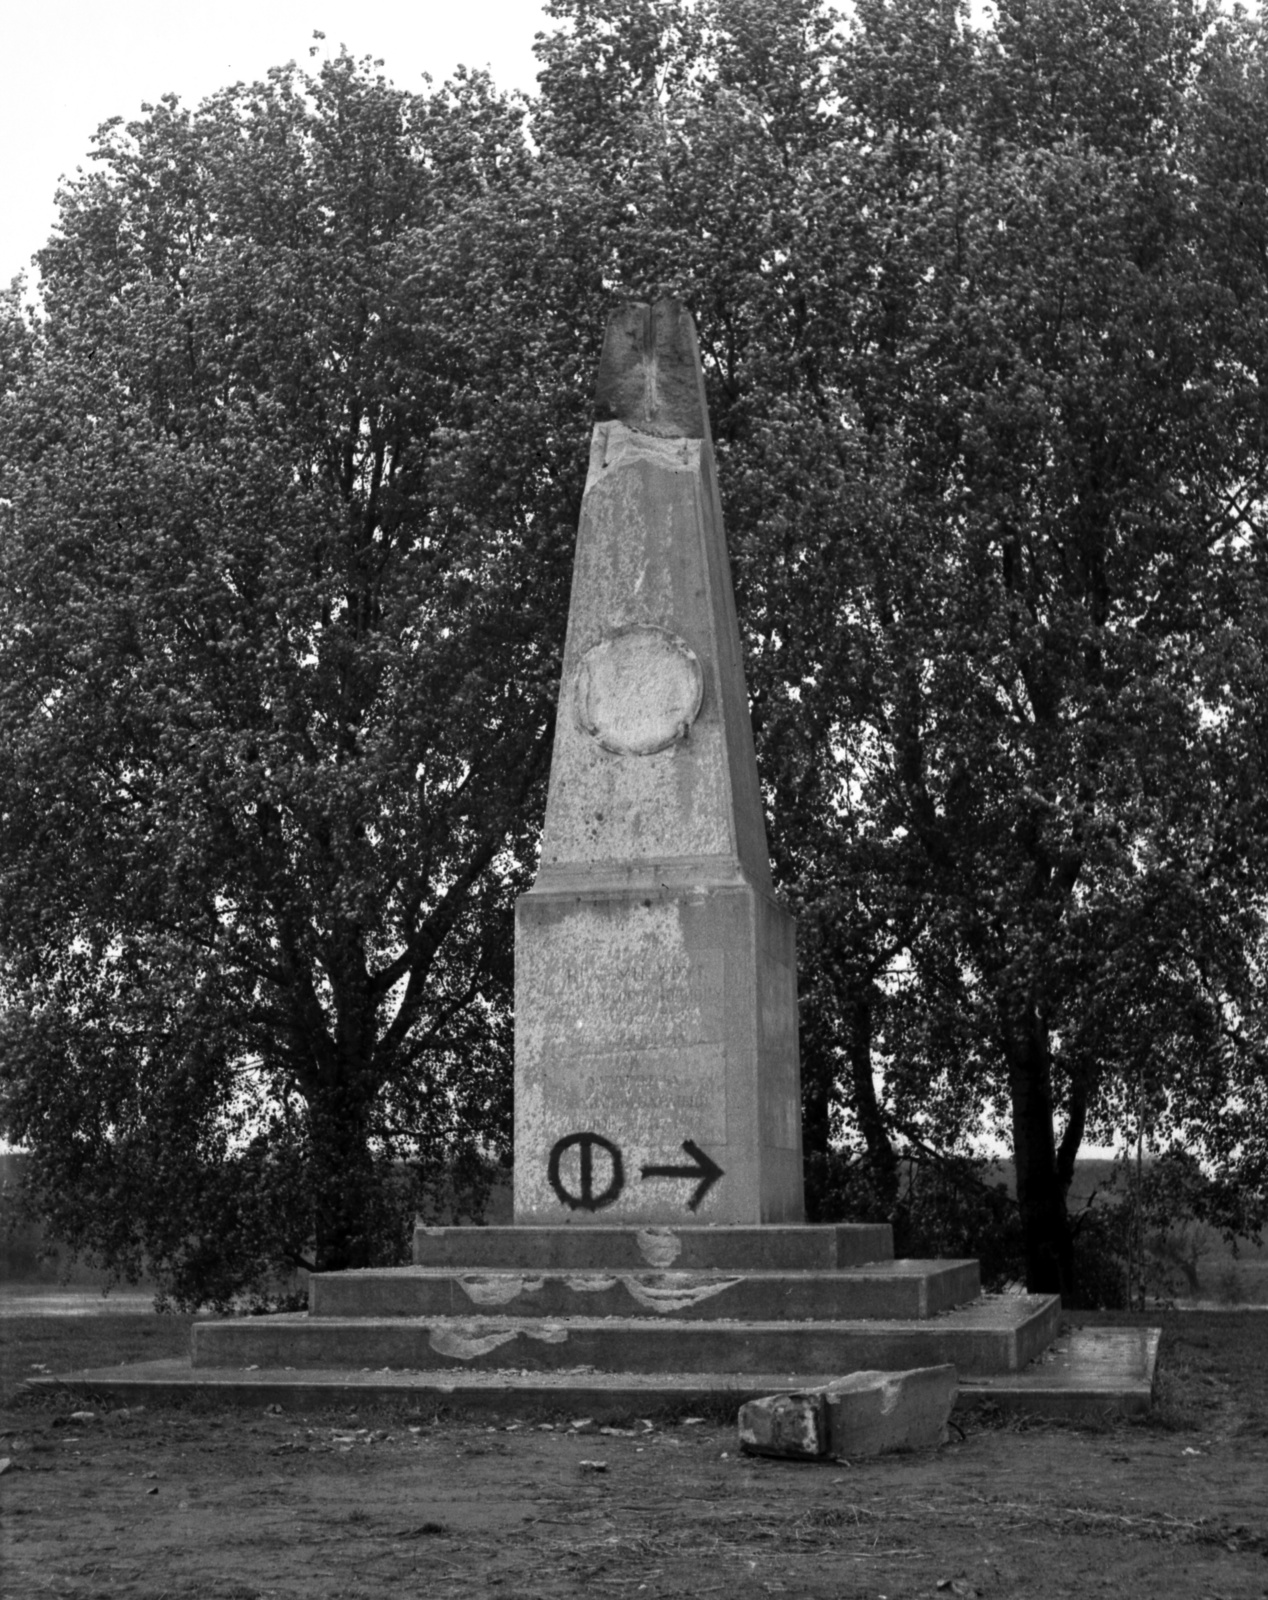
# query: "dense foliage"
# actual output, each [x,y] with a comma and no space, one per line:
[294,456]
[279,654]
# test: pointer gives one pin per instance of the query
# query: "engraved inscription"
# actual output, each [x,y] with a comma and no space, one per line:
[651,1001]
[635,1090]
[652,1049]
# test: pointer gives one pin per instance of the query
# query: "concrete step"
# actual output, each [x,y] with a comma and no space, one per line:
[993,1335]
[1093,1373]
[887,1289]
[772,1248]
[1086,1371]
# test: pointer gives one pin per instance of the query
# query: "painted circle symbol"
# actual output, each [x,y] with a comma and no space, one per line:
[586,1199]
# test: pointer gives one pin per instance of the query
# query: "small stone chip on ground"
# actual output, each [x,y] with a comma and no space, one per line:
[870,1412]
[784,1425]
[863,1414]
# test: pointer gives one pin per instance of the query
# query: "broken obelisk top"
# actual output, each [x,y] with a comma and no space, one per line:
[656,1073]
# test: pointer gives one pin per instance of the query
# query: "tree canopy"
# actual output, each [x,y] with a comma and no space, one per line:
[294,454]
[278,666]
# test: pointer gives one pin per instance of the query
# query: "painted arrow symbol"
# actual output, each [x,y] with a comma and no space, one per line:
[707,1170]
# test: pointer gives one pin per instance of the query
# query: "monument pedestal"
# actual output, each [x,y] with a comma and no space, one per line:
[656,1055]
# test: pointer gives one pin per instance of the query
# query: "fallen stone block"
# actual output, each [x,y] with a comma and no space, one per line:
[790,1425]
[870,1412]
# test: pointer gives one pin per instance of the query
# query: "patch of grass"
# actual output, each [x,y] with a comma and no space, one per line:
[33,1346]
[1177,1406]
[1210,1364]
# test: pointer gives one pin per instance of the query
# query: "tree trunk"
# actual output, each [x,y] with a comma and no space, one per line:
[880,1151]
[1040,1195]
[347,1202]
[818,1088]
[816,1099]
[343,1179]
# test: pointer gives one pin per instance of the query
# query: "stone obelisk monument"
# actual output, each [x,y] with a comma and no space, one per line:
[656,1069]
[658,1195]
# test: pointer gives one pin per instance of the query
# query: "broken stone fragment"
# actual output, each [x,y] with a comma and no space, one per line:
[861,1415]
[871,1412]
[789,1425]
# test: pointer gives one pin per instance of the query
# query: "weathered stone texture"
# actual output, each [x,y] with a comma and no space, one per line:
[871,1412]
[864,1414]
[791,1425]
[651,563]
[640,1019]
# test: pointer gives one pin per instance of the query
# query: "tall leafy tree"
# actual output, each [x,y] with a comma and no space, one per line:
[277,659]
[294,462]
[1074,654]
[984,316]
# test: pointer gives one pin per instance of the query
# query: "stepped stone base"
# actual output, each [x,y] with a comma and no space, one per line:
[993,1335]
[721,1300]
[636,1319]
[1109,1373]
[1084,1372]
[894,1289]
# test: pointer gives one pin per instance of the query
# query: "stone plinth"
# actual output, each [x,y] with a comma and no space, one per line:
[656,1068]
[583,1247]
[655,1037]
[882,1291]
[986,1337]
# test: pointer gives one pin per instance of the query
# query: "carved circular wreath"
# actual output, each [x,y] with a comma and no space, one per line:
[639,690]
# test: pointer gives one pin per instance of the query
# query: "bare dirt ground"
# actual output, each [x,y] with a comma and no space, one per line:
[238,1505]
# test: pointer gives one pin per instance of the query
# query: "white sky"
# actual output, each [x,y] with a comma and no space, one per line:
[67,65]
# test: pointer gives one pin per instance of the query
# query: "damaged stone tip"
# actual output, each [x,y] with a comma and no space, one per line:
[649,372]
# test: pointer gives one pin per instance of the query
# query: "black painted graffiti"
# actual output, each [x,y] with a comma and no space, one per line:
[703,1168]
[586,1199]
